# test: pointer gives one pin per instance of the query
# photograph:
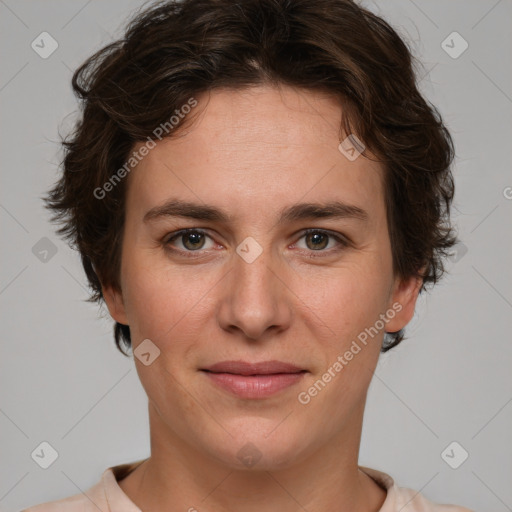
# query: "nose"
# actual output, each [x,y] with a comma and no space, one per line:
[256,300]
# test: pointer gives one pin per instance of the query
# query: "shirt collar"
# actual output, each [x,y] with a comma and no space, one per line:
[118,501]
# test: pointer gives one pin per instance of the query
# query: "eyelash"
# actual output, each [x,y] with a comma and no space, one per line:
[344,242]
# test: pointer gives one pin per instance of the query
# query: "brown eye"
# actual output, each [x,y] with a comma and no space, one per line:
[317,241]
[187,240]
[322,241]
[193,240]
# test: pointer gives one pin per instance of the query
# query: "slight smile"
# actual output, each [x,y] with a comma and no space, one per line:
[254,380]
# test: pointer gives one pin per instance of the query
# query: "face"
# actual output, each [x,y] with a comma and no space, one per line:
[259,276]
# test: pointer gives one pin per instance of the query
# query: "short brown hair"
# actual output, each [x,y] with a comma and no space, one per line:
[175,49]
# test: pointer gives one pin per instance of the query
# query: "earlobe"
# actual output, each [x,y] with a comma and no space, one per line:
[115,304]
[403,301]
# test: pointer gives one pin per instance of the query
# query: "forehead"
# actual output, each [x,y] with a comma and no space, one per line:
[256,148]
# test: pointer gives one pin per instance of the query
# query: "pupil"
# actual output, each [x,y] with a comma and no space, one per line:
[317,237]
[196,238]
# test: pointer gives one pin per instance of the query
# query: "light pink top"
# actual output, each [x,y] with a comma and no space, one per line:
[107,496]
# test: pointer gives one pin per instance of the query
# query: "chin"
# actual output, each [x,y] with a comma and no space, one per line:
[260,446]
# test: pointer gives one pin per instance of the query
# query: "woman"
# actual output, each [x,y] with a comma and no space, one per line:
[259,193]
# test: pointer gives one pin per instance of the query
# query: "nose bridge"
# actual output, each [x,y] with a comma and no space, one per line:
[254,267]
[255,297]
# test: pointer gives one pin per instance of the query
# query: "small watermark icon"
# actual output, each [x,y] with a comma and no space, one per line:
[44,45]
[454,45]
[507,192]
[454,455]
[146,352]
[249,455]
[458,251]
[44,250]
[351,147]
[249,249]
[44,455]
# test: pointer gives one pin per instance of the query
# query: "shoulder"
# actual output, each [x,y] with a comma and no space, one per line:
[92,500]
[412,501]
[101,497]
[404,499]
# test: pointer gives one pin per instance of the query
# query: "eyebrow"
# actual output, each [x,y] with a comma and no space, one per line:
[302,211]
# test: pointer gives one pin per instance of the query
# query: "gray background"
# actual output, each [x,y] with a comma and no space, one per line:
[64,382]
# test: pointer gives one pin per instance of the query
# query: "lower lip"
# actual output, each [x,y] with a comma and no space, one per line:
[254,386]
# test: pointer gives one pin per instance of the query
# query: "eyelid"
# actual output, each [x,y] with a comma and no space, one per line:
[341,238]
[184,231]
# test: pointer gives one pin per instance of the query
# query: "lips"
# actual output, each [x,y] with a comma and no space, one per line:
[254,380]
[260,368]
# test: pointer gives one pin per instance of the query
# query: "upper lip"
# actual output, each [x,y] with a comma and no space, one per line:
[260,368]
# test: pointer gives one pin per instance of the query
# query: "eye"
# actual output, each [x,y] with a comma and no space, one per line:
[190,239]
[318,240]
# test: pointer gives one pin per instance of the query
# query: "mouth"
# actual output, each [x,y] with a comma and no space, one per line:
[254,380]
[246,368]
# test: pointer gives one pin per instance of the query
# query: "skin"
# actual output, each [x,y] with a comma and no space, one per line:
[252,152]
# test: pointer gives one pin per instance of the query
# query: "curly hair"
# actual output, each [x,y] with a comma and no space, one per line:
[174,49]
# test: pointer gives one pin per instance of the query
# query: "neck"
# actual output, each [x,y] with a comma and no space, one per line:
[179,477]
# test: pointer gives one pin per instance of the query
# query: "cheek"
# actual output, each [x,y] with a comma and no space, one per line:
[347,300]
[346,309]
[164,302]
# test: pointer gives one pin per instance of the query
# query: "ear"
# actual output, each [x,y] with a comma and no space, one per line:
[403,300]
[115,304]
